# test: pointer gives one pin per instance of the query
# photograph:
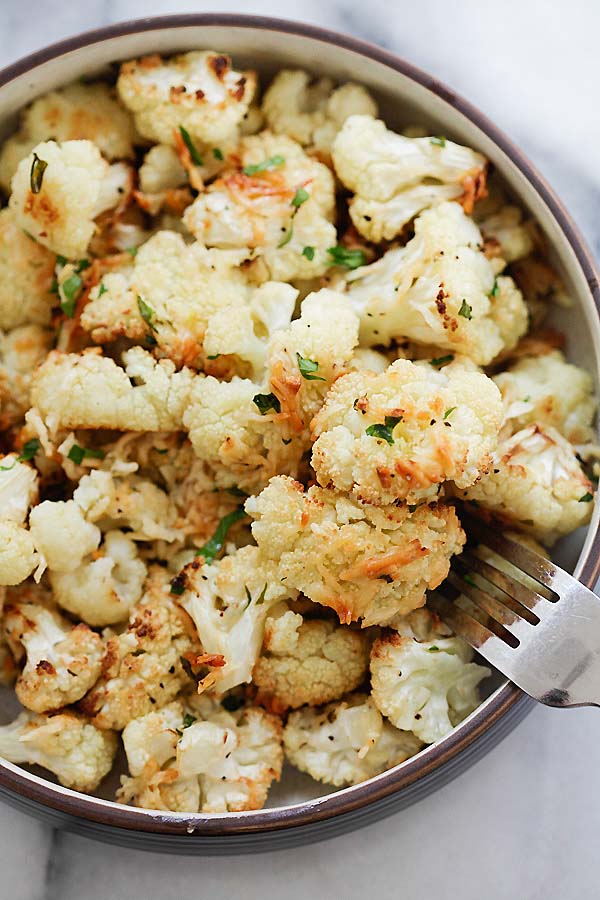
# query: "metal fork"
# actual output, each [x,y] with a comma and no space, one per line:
[539,626]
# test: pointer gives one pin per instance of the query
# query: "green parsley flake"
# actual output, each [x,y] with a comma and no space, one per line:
[465,310]
[61,260]
[351,259]
[77,454]
[196,158]
[441,360]
[384,432]
[438,141]
[587,498]
[266,403]
[495,291]
[146,312]
[30,448]
[132,251]
[188,720]
[215,543]
[265,166]
[433,649]
[449,412]
[308,367]
[101,290]
[71,288]
[287,236]
[218,153]
[36,175]
[469,580]
[300,197]
[309,253]
[82,265]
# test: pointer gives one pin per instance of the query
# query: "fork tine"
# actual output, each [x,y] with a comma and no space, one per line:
[514,590]
[509,620]
[493,648]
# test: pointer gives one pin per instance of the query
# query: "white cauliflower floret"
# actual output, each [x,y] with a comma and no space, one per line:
[88,390]
[548,390]
[161,170]
[280,203]
[439,289]
[198,91]
[365,562]
[58,191]
[62,535]
[228,602]
[26,274]
[18,489]
[66,744]
[402,434]
[18,558]
[63,661]
[21,351]
[425,687]
[506,234]
[536,484]
[364,359]
[103,588]
[142,669]
[345,743]
[312,112]
[326,661]
[394,177]
[237,430]
[167,295]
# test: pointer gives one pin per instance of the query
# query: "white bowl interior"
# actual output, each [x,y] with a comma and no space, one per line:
[402,102]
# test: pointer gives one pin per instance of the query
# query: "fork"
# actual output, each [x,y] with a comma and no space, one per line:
[538,625]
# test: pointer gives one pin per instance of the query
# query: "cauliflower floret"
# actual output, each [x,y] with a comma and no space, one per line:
[400,435]
[364,359]
[237,430]
[346,742]
[365,562]
[18,489]
[167,295]
[104,588]
[161,170]
[427,687]
[21,351]
[88,390]
[58,191]
[505,232]
[395,177]
[18,558]
[326,661]
[280,202]
[142,668]
[228,602]
[63,661]
[26,274]
[62,535]
[312,112]
[76,112]
[439,289]
[198,91]
[536,484]
[548,390]
[66,744]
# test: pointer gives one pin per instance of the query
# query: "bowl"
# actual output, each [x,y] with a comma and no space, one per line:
[406,95]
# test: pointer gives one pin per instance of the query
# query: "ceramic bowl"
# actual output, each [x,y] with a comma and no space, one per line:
[300,811]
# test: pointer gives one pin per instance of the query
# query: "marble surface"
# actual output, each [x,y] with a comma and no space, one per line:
[523,823]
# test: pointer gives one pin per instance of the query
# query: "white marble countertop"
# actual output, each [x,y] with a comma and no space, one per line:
[523,823]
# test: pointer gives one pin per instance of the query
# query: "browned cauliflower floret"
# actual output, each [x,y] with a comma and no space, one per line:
[142,668]
[401,434]
[345,743]
[318,662]
[199,92]
[18,491]
[278,203]
[21,351]
[440,289]
[60,189]
[396,177]
[62,661]
[65,743]
[88,390]
[365,562]
[26,274]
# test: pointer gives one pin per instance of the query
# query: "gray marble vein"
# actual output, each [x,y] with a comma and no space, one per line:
[523,823]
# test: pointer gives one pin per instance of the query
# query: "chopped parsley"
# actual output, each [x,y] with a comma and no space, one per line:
[441,360]
[132,251]
[82,265]
[433,649]
[308,367]
[196,158]
[300,197]
[188,720]
[309,253]
[449,412]
[384,432]
[215,543]
[288,235]
[351,259]
[236,492]
[218,153]
[214,356]
[496,289]
[61,260]
[469,580]
[412,507]
[265,166]
[177,587]
[101,289]
[30,448]
[36,174]
[71,288]
[439,141]
[266,403]
[465,310]
[587,498]
[77,454]
[146,312]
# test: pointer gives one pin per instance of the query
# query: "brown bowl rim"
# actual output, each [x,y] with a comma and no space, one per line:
[103,812]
